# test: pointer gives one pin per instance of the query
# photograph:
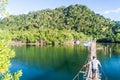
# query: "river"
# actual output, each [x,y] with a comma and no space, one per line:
[63,62]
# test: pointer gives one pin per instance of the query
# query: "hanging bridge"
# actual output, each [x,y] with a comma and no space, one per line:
[87,73]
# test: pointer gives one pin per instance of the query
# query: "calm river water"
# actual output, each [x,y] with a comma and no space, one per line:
[63,62]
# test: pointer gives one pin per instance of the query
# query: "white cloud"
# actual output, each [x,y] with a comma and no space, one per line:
[112,11]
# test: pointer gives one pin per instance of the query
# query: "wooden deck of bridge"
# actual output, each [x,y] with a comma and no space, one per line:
[88,72]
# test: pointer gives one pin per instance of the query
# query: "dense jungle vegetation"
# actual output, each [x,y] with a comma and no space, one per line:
[59,25]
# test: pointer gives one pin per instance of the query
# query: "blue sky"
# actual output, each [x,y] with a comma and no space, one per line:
[107,8]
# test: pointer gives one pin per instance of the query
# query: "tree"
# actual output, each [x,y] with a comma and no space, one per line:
[78,18]
[5,52]
[3,4]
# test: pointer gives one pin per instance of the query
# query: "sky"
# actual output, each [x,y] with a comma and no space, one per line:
[107,8]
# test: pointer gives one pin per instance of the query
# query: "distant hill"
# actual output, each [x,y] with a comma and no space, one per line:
[77,18]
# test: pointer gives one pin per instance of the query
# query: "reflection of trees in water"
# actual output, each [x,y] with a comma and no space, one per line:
[110,49]
[70,58]
[115,49]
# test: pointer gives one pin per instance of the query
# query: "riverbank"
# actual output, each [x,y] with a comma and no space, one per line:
[42,43]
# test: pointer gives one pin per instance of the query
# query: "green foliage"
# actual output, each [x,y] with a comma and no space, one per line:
[5,55]
[56,25]
[3,4]
[116,28]
[5,52]
[14,76]
[117,37]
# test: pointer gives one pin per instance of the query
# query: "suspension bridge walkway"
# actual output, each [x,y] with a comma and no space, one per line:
[87,74]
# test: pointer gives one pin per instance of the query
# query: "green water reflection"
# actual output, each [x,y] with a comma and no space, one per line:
[63,62]
[60,61]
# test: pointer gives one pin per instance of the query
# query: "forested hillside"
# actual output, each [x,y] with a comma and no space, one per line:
[75,22]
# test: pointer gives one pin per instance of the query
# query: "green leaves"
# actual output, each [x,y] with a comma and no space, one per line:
[3,4]
[78,18]
[14,76]
[5,55]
